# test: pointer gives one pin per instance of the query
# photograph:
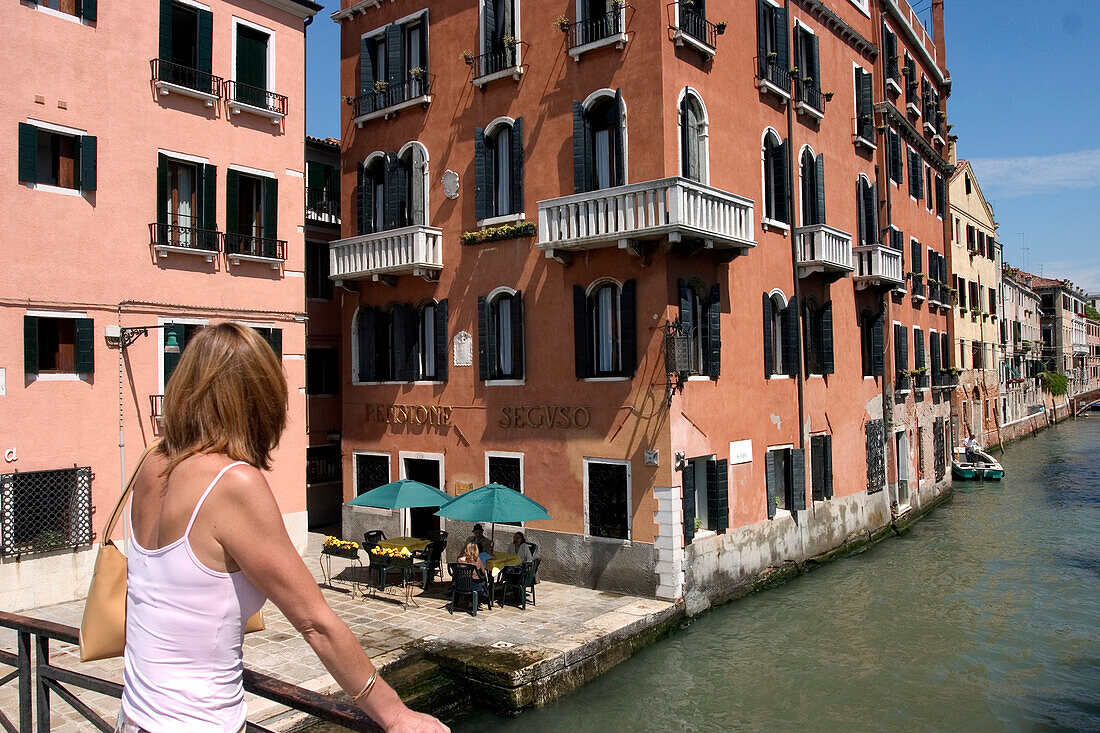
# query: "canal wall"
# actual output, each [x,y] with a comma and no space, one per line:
[723,567]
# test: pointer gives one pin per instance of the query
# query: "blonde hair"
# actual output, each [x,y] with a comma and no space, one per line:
[472,552]
[227,395]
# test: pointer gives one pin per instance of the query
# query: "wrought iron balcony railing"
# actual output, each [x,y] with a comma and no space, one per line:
[917,287]
[821,248]
[809,93]
[768,71]
[255,99]
[250,247]
[593,30]
[170,77]
[323,465]
[388,96]
[182,237]
[412,250]
[496,62]
[320,207]
[696,26]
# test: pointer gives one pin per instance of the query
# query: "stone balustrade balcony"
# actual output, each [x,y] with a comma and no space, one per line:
[412,250]
[676,208]
[877,264]
[824,249]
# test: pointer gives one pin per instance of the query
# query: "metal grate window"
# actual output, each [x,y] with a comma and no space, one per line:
[45,510]
[506,472]
[608,513]
[323,464]
[371,472]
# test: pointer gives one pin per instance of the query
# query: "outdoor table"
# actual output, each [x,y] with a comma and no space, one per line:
[409,543]
[327,553]
[500,560]
[384,565]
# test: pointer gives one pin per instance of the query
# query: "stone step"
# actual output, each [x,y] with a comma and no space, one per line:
[411,675]
[439,696]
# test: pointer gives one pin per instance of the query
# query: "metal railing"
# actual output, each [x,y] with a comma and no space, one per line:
[809,93]
[698,27]
[48,510]
[824,245]
[386,94]
[257,97]
[248,245]
[595,29]
[320,207]
[646,210]
[769,70]
[864,127]
[917,287]
[497,60]
[408,250]
[38,678]
[184,76]
[901,382]
[323,465]
[878,262]
[187,237]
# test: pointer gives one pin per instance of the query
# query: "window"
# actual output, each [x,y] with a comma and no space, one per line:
[967,184]
[273,337]
[941,199]
[599,159]
[917,263]
[401,343]
[186,204]
[500,335]
[183,333]
[371,471]
[392,190]
[596,20]
[498,169]
[700,317]
[864,94]
[323,464]
[604,330]
[370,195]
[322,192]
[893,141]
[61,159]
[871,343]
[977,360]
[499,42]
[928,186]
[773,60]
[818,336]
[780,336]
[961,289]
[693,139]
[975,300]
[186,41]
[821,467]
[318,284]
[251,207]
[813,188]
[250,68]
[705,496]
[901,356]
[322,371]
[890,54]
[808,82]
[85,9]
[393,65]
[785,476]
[58,345]
[775,178]
[916,167]
[506,470]
[923,379]
[607,493]
[46,510]
[867,210]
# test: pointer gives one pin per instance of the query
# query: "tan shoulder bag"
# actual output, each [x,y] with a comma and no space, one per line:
[103,627]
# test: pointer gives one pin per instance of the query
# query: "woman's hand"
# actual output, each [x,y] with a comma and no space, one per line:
[409,721]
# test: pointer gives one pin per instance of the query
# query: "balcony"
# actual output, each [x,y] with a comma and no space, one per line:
[170,78]
[245,98]
[877,264]
[387,99]
[676,208]
[321,208]
[770,77]
[249,248]
[917,286]
[821,248]
[156,409]
[603,30]
[863,132]
[414,250]
[498,64]
[696,31]
[184,239]
[809,99]
[323,464]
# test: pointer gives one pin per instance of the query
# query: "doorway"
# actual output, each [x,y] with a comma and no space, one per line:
[901,446]
[421,521]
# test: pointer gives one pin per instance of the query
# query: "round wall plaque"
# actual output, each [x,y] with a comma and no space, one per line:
[450,184]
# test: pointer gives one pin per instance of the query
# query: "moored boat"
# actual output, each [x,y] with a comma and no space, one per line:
[983,467]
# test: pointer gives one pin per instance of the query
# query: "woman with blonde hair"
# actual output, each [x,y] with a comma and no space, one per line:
[208,547]
[472,556]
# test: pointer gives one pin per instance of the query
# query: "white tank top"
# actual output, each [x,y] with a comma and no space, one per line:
[184,631]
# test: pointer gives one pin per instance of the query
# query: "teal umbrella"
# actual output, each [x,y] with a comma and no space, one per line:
[403,494]
[493,503]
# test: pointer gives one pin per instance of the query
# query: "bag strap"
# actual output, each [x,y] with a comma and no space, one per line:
[126,494]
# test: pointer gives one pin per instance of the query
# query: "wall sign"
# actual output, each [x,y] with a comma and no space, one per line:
[548,416]
[463,349]
[409,414]
[740,452]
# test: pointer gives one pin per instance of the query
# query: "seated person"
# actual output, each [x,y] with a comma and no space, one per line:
[520,546]
[471,557]
[484,544]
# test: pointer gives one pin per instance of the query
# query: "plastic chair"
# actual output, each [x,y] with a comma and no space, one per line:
[465,582]
[373,537]
[429,561]
[522,578]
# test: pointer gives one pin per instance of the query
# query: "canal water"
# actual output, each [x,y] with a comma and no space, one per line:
[984,616]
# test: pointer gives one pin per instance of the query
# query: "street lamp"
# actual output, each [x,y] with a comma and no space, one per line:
[119,338]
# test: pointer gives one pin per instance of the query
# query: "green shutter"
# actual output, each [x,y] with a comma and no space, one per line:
[28,152]
[417,205]
[618,149]
[798,480]
[517,335]
[395,55]
[828,466]
[770,482]
[782,198]
[488,24]
[817,467]
[85,346]
[366,66]
[819,166]
[827,361]
[30,345]
[87,162]
[781,43]
[204,52]
[687,316]
[88,9]
[713,352]
[718,495]
[628,335]
[483,338]
[209,197]
[688,499]
[582,350]
[441,341]
[582,155]
[232,201]
[791,337]
[165,30]
[170,360]
[517,166]
[769,353]
[271,208]
[481,175]
[877,346]
[162,189]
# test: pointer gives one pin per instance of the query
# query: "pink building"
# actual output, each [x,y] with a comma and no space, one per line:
[155,183]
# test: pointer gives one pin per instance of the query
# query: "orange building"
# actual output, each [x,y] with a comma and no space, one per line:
[630,261]
[154,183]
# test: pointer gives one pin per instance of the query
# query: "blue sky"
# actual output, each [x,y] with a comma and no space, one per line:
[1025,104]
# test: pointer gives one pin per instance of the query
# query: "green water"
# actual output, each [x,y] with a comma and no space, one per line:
[984,616]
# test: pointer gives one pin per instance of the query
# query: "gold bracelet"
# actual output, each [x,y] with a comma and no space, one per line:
[367,687]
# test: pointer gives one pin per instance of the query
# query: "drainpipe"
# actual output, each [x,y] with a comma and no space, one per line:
[794,262]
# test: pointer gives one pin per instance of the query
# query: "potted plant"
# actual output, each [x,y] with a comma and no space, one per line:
[829,96]
[348,100]
[380,86]
[340,548]
[698,523]
[562,23]
[720,27]
[509,41]
[771,57]
[467,57]
[416,72]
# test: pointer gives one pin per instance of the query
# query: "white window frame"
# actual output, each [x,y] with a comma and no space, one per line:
[516,70]
[778,512]
[355,473]
[786,302]
[162,321]
[407,148]
[704,135]
[402,456]
[522,475]
[237,21]
[586,105]
[765,220]
[586,460]
[63,376]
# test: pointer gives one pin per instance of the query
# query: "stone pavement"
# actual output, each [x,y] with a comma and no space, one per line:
[564,628]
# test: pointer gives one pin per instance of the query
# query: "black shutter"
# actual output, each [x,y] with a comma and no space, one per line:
[762,11]
[88,9]
[629,325]
[687,316]
[798,480]
[934,347]
[781,45]
[861,214]
[895,157]
[209,197]
[30,345]
[917,263]
[392,196]
[395,55]
[517,335]
[714,333]
[363,199]
[814,61]
[365,334]
[878,343]
[417,204]
[166,30]
[483,338]
[689,135]
[170,360]
[489,23]
[712,493]
[205,44]
[945,351]
[688,498]
[617,141]
[828,364]
[890,48]
[770,479]
[87,145]
[769,353]
[517,166]
[275,340]
[405,339]
[819,165]
[162,188]
[441,341]
[828,439]
[782,202]
[582,355]
[232,201]
[271,211]
[870,211]
[817,467]
[792,355]
[366,66]
[28,152]
[424,41]
[84,362]
[482,194]
[903,343]
[867,96]
[941,196]
[582,155]
[720,511]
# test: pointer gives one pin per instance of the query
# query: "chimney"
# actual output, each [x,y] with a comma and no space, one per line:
[939,35]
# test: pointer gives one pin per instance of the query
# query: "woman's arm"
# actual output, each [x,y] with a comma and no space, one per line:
[249,525]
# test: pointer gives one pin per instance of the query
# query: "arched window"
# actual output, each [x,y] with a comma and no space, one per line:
[412,208]
[700,318]
[693,139]
[392,190]
[813,188]
[500,335]
[370,195]
[604,330]
[780,335]
[498,168]
[599,159]
[867,205]
[776,192]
